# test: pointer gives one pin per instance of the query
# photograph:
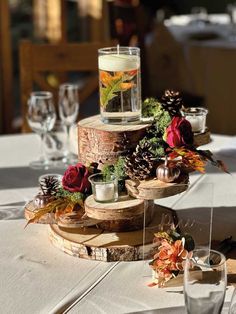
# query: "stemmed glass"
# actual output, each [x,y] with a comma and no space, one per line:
[41,117]
[68,112]
[205,282]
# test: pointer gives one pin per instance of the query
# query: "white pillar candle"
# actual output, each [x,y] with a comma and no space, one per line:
[105,192]
[118,62]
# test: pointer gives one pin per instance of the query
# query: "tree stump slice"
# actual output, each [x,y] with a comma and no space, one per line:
[202,138]
[125,208]
[30,211]
[69,220]
[104,143]
[97,244]
[154,189]
[127,214]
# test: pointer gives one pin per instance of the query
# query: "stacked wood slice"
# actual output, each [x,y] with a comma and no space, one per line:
[104,143]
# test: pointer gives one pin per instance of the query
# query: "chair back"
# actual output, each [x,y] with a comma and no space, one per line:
[44,67]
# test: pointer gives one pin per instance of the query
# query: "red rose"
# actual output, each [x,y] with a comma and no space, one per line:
[179,132]
[75,179]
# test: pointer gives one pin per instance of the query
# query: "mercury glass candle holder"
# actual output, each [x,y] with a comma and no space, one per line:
[197,117]
[105,189]
[119,84]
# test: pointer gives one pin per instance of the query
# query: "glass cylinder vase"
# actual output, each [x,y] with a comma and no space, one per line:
[119,84]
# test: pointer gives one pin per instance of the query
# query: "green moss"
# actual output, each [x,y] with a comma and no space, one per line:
[152,108]
[75,197]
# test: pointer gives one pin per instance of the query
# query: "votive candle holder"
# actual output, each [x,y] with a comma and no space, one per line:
[197,118]
[105,189]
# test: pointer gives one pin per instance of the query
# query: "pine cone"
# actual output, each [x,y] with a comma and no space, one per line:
[49,185]
[140,165]
[172,102]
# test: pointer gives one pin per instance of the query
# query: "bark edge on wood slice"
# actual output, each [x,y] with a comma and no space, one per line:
[104,143]
[97,244]
[154,189]
[202,138]
[125,207]
[127,214]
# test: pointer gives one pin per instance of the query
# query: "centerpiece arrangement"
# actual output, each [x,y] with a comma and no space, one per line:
[102,204]
[111,193]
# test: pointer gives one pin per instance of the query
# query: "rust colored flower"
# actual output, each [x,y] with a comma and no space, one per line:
[168,259]
[179,132]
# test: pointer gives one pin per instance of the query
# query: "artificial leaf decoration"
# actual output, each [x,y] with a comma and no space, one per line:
[58,207]
[113,84]
[191,159]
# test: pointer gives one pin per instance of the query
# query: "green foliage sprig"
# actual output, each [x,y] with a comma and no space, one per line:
[75,197]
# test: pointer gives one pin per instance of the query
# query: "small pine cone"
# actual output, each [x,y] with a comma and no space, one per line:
[139,166]
[172,102]
[49,185]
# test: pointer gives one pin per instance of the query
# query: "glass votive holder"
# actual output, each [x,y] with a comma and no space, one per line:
[105,190]
[197,118]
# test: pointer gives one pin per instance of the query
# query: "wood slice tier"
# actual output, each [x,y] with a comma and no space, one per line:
[30,211]
[202,138]
[125,208]
[97,244]
[132,219]
[126,214]
[104,143]
[70,220]
[154,189]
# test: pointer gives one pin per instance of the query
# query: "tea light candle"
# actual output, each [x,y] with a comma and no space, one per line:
[196,123]
[197,118]
[118,62]
[105,192]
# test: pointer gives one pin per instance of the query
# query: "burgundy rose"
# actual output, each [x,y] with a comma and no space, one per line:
[75,179]
[179,132]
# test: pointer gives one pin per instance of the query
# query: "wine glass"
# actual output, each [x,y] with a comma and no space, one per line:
[205,282]
[68,111]
[41,117]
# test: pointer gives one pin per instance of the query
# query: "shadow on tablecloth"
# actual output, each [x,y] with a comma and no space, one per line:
[22,177]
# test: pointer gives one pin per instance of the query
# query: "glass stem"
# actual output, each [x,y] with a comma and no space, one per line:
[42,148]
[68,139]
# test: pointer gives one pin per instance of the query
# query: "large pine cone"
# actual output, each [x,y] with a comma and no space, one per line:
[172,102]
[140,165]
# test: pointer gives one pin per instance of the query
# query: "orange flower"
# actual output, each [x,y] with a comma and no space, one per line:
[168,259]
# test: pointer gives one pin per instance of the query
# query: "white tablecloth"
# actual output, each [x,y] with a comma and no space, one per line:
[36,278]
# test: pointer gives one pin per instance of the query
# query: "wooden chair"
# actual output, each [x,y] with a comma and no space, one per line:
[36,60]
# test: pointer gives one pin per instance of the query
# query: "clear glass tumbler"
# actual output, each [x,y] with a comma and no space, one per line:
[119,84]
[197,117]
[105,189]
[205,282]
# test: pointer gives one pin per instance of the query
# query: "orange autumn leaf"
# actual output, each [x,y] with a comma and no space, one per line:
[125,86]
[190,159]
[118,75]
[105,78]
